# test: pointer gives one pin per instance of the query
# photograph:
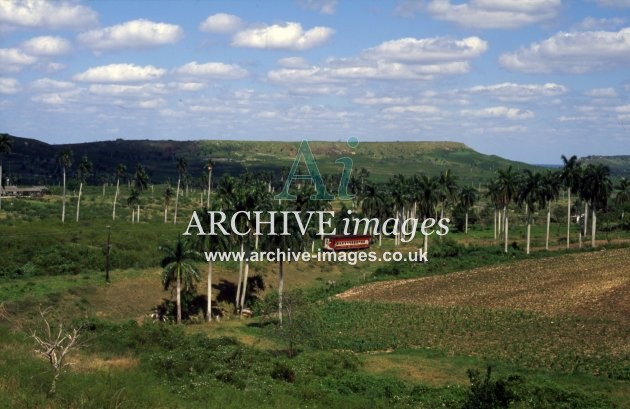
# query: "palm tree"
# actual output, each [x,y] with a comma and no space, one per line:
[294,241]
[83,172]
[209,166]
[508,187]
[426,193]
[5,149]
[623,195]
[531,193]
[211,243]
[570,178]
[467,199]
[550,192]
[168,195]
[178,271]
[447,189]
[400,196]
[182,168]
[132,201]
[597,187]
[373,204]
[495,197]
[65,160]
[140,182]
[247,193]
[120,172]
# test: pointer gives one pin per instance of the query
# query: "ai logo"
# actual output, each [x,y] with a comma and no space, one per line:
[313,174]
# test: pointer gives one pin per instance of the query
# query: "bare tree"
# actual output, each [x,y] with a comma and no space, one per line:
[54,345]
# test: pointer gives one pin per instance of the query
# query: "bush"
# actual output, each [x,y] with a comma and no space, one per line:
[487,393]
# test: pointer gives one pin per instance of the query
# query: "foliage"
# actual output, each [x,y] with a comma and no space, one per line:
[487,393]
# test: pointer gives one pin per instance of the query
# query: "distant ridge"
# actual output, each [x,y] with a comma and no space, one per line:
[34,162]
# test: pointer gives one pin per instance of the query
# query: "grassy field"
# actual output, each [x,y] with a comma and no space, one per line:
[552,324]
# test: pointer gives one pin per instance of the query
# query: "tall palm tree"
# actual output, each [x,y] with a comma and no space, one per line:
[294,242]
[623,195]
[550,183]
[531,193]
[5,149]
[246,193]
[182,169]
[210,243]
[64,158]
[168,195]
[467,199]
[373,203]
[494,195]
[427,195]
[140,184]
[400,196]
[120,172]
[84,169]
[597,189]
[447,189]
[508,181]
[570,177]
[209,166]
[132,201]
[178,271]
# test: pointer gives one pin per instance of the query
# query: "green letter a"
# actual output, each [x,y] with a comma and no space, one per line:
[313,174]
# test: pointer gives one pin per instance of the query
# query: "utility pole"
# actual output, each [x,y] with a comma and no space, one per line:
[108,250]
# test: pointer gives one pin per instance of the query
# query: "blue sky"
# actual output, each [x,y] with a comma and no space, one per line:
[527,80]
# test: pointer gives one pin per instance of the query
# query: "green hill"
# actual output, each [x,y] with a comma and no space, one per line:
[34,162]
[619,165]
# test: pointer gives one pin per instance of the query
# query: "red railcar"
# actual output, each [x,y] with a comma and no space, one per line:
[345,243]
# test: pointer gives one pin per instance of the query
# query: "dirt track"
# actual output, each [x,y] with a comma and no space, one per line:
[594,284]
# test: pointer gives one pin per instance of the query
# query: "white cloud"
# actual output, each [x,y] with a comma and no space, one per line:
[54,67]
[120,73]
[601,93]
[216,70]
[494,13]
[140,91]
[422,50]
[45,14]
[287,36]
[320,6]
[132,34]
[504,129]
[46,46]
[412,109]
[592,23]
[221,23]
[366,70]
[498,112]
[574,52]
[371,99]
[9,85]
[57,98]
[509,91]
[152,103]
[14,59]
[403,59]
[190,86]
[50,84]
[293,62]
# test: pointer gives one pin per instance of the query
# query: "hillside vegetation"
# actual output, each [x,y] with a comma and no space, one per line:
[34,162]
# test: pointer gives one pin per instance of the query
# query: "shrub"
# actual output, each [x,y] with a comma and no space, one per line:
[487,393]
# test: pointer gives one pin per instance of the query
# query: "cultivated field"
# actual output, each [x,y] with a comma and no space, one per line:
[594,284]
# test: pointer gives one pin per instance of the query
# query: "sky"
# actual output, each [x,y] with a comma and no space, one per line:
[526,80]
